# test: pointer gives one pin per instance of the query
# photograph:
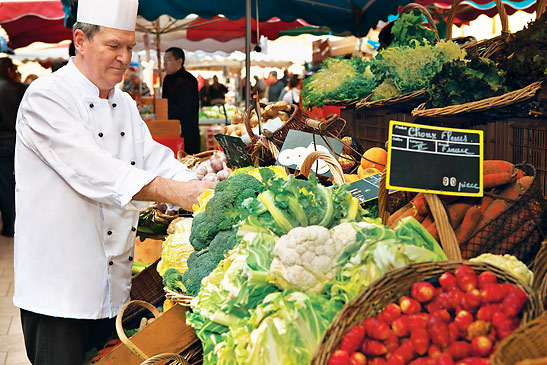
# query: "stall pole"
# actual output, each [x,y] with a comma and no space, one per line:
[247,53]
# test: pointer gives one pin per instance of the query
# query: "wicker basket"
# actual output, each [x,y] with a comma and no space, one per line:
[495,102]
[396,283]
[192,160]
[518,231]
[527,342]
[486,48]
[409,100]
[540,274]
[332,163]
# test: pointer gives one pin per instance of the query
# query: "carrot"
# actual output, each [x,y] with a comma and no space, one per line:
[497,207]
[520,174]
[432,228]
[511,192]
[395,216]
[485,203]
[420,204]
[427,221]
[497,166]
[456,212]
[470,221]
[420,218]
[501,178]
[524,183]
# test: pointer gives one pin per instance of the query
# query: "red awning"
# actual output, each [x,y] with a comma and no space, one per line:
[223,29]
[26,22]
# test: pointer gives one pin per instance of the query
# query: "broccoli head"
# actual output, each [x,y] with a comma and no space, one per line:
[223,242]
[172,279]
[224,210]
[200,264]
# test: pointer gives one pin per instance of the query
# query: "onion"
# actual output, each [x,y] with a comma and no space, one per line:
[216,161]
[211,176]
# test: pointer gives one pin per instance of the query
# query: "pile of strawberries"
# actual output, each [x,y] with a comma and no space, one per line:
[459,322]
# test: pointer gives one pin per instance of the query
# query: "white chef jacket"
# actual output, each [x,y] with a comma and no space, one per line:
[79,160]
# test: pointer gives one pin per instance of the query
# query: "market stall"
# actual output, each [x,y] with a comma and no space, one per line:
[420,248]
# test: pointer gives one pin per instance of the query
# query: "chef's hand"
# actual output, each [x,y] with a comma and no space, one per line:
[191,191]
[183,194]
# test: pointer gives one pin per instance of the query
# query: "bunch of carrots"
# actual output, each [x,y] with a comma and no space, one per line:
[467,216]
[457,322]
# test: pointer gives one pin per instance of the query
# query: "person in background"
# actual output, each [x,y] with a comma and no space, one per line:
[30,78]
[133,85]
[85,165]
[180,88]
[217,92]
[204,96]
[259,87]
[11,93]
[275,88]
[286,77]
[292,96]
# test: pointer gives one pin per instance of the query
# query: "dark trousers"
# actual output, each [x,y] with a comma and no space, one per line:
[7,191]
[62,341]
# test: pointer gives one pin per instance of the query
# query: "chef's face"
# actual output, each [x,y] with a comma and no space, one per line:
[105,57]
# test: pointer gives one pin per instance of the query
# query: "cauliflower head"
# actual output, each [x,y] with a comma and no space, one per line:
[508,263]
[305,258]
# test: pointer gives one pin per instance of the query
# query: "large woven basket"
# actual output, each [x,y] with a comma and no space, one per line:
[192,160]
[540,274]
[406,101]
[527,342]
[488,48]
[396,283]
[518,231]
[262,148]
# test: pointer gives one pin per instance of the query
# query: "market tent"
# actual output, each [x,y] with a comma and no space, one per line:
[355,16]
[470,10]
[26,22]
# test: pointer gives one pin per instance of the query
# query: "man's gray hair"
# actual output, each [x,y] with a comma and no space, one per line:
[89,29]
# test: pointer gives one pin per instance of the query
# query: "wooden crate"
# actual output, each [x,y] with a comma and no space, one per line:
[169,333]
[528,143]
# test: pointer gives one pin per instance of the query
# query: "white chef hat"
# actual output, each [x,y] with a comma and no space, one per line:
[116,14]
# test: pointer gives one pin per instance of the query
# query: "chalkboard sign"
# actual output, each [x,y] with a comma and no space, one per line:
[434,159]
[234,149]
[366,189]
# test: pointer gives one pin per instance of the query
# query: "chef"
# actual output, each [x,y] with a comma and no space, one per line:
[85,163]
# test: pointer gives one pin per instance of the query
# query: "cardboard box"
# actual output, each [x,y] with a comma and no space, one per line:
[169,333]
[160,109]
[164,128]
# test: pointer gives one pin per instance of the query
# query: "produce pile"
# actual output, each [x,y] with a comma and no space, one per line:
[213,169]
[217,112]
[273,296]
[413,61]
[459,318]
[279,109]
[467,216]
[408,64]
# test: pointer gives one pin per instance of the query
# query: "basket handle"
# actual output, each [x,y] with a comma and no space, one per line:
[332,163]
[540,8]
[119,328]
[448,239]
[501,10]
[162,357]
[383,199]
[413,6]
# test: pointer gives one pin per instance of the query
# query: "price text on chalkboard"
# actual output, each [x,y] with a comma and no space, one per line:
[366,189]
[434,159]
[234,149]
